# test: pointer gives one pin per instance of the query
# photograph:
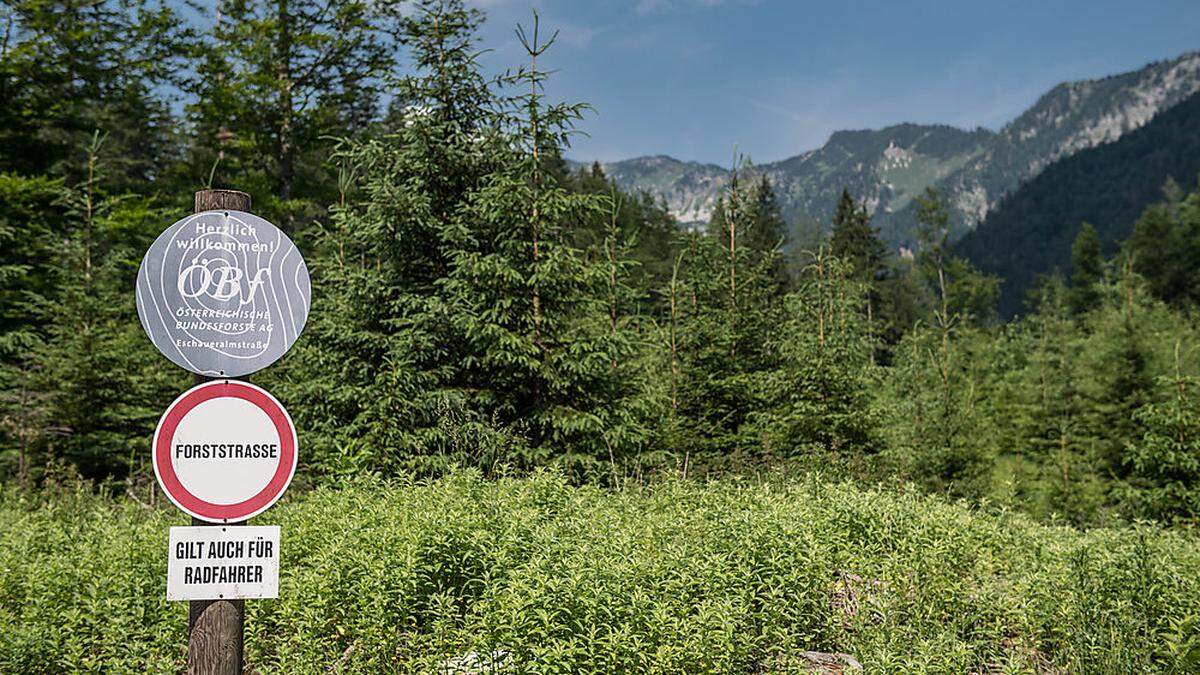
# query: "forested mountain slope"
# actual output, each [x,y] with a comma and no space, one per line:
[1030,232]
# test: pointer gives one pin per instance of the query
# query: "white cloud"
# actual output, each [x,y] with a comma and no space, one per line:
[574,35]
[655,6]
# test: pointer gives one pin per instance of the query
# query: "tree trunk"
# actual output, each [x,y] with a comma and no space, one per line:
[283,66]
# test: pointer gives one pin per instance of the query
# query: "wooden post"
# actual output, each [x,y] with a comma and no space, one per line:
[216,637]
[218,200]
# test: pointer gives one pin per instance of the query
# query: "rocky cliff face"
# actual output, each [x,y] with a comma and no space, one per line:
[1069,118]
[690,189]
[886,168]
[974,169]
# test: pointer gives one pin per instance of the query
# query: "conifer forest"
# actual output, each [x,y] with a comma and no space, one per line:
[544,425]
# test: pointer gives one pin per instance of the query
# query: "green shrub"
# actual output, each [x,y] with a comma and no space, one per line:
[533,575]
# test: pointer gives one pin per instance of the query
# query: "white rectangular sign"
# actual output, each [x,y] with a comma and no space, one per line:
[223,562]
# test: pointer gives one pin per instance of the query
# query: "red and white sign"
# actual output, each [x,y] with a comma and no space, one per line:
[225,451]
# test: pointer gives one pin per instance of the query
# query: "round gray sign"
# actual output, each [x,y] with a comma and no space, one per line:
[223,293]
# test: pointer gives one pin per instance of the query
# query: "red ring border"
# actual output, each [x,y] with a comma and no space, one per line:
[164,470]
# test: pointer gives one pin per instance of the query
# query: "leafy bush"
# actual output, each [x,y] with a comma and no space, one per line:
[533,575]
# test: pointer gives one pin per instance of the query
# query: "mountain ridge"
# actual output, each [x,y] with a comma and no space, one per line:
[887,167]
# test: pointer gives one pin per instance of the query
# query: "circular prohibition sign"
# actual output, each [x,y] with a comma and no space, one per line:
[225,451]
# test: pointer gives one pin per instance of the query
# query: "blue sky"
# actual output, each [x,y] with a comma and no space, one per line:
[695,78]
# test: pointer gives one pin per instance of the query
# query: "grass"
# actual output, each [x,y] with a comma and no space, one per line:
[534,575]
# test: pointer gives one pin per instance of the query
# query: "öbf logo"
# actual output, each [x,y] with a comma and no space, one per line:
[219,280]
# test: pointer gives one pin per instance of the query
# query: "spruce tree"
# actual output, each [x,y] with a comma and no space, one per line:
[376,371]
[731,306]
[766,230]
[1118,361]
[1045,421]
[106,381]
[68,69]
[856,241]
[276,80]
[529,307]
[815,390]
[853,239]
[762,230]
[937,373]
[29,211]
[901,294]
[1165,249]
[1088,272]
[1165,484]
[959,291]
[935,384]
[766,233]
[647,226]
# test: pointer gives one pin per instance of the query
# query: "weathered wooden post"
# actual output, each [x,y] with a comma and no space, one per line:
[216,628]
[216,637]
[218,200]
